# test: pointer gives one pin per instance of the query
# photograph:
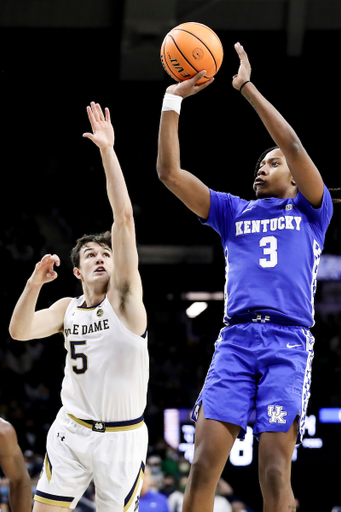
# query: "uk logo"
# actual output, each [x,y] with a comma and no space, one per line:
[276,414]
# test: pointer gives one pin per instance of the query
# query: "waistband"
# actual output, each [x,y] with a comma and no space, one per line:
[263,317]
[111,426]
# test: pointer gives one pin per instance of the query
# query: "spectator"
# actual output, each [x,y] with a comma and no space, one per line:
[151,498]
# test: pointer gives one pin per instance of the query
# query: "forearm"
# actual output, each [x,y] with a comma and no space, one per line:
[116,186]
[23,314]
[168,159]
[20,495]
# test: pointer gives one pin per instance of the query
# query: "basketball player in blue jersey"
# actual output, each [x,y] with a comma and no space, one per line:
[99,432]
[14,468]
[272,248]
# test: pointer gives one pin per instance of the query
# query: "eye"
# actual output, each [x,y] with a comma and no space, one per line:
[107,254]
[275,164]
[90,254]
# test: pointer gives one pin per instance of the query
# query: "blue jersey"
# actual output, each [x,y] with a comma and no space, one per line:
[272,252]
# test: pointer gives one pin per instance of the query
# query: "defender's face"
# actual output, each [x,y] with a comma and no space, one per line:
[95,264]
[274,178]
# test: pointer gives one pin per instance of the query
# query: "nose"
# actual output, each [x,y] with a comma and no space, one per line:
[262,171]
[99,260]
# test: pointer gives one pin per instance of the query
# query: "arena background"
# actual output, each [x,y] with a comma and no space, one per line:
[55,60]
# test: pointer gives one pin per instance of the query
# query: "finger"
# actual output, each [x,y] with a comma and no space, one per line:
[52,275]
[88,136]
[198,76]
[56,259]
[205,84]
[100,112]
[91,117]
[241,52]
[107,115]
[94,111]
[45,257]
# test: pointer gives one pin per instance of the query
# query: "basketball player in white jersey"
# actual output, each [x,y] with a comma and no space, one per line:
[14,468]
[99,433]
[272,247]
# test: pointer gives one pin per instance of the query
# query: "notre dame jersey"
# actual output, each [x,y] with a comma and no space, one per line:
[107,366]
[272,252]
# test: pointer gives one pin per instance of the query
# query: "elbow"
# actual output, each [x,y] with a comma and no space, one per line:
[162,171]
[16,335]
[165,173]
[125,217]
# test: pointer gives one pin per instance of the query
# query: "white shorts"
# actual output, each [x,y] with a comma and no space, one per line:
[76,454]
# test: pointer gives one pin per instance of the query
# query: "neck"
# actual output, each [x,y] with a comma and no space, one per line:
[93,296]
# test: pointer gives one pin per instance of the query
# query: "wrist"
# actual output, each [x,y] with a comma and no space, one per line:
[171,102]
[32,284]
[243,85]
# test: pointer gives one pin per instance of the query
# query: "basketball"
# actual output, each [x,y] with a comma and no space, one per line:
[190,48]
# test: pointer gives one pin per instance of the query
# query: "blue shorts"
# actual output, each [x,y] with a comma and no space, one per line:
[261,368]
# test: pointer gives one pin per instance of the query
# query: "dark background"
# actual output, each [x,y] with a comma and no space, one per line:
[53,191]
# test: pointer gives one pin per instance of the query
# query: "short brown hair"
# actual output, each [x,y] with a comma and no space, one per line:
[103,239]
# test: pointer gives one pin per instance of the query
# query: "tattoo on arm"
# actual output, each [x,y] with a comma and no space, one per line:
[249,100]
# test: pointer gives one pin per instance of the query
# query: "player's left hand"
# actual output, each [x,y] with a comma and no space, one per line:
[102,130]
[244,71]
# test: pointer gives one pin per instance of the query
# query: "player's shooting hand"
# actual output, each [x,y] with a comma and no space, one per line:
[102,130]
[244,71]
[44,270]
[189,87]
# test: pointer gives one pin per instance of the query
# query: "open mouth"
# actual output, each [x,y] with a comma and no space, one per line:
[99,270]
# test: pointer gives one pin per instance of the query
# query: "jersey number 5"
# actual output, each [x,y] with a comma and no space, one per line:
[269,244]
[79,355]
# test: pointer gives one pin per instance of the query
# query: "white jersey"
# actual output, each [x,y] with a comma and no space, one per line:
[107,366]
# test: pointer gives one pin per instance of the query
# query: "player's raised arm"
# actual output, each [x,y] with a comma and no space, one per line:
[27,323]
[303,170]
[126,278]
[187,187]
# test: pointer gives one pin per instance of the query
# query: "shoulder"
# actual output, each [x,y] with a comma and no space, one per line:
[61,304]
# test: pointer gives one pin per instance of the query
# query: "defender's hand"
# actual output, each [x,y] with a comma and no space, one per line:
[189,87]
[244,71]
[102,130]
[44,270]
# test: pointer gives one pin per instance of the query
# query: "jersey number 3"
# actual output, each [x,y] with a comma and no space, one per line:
[78,369]
[269,244]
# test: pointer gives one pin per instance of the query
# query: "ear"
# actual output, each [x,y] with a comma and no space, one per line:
[292,181]
[77,273]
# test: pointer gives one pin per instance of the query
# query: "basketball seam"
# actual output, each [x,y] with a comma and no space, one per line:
[164,60]
[184,55]
[202,42]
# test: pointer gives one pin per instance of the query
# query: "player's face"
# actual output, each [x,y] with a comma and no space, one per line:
[274,178]
[95,263]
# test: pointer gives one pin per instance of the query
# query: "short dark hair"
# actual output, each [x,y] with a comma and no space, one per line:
[334,192]
[261,158]
[103,239]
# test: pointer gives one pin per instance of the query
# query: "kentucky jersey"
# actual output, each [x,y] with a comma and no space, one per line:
[272,252]
[107,366]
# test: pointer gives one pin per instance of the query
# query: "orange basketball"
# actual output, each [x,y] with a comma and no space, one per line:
[190,48]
